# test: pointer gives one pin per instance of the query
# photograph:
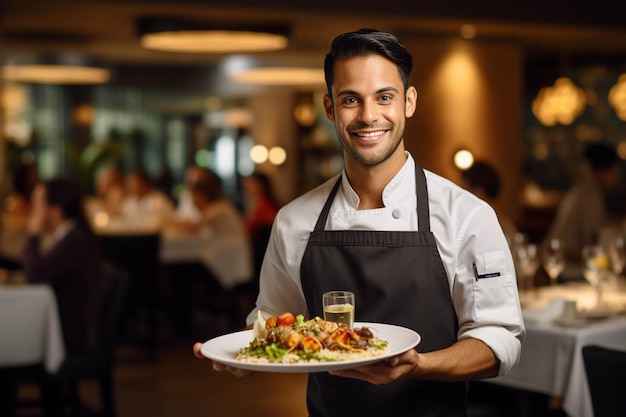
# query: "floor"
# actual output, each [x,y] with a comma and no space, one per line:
[177,384]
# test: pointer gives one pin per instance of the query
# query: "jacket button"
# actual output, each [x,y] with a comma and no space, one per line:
[396,213]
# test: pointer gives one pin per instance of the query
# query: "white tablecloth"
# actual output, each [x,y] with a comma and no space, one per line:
[552,362]
[229,258]
[30,330]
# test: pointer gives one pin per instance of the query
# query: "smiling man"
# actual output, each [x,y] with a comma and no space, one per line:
[417,251]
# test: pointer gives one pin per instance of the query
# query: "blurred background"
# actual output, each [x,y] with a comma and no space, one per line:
[524,86]
[479,70]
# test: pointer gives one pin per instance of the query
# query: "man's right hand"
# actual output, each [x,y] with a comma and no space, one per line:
[219,367]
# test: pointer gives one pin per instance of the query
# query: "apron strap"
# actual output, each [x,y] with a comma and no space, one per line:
[423,212]
[321,220]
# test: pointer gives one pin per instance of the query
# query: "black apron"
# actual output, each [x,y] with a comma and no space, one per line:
[398,277]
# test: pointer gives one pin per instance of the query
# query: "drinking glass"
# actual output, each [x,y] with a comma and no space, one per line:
[596,268]
[339,307]
[526,261]
[553,260]
[617,255]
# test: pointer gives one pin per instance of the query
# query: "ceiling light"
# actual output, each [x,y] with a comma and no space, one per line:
[617,97]
[463,159]
[277,155]
[560,103]
[468,31]
[280,76]
[53,70]
[55,74]
[175,35]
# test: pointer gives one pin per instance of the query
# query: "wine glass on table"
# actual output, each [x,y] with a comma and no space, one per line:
[527,262]
[596,268]
[553,260]
[617,255]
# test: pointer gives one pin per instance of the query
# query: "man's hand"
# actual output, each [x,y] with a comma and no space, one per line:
[398,367]
[219,367]
[465,360]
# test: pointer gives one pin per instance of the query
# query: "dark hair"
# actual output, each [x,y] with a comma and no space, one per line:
[25,179]
[483,175]
[601,156]
[266,184]
[210,187]
[367,42]
[65,193]
[142,175]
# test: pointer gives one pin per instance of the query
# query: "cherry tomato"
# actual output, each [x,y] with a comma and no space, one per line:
[285,319]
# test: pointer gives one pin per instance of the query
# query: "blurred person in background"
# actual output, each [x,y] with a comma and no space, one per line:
[185,209]
[144,206]
[484,182]
[109,193]
[62,251]
[259,203]
[17,208]
[23,180]
[226,252]
[110,188]
[261,208]
[583,211]
[218,215]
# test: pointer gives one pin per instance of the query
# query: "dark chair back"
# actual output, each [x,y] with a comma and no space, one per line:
[87,365]
[112,308]
[605,370]
[95,363]
[138,255]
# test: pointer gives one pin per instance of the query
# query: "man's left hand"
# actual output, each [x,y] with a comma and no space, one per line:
[398,367]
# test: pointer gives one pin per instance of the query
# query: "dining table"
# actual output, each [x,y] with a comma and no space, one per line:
[30,327]
[228,257]
[551,361]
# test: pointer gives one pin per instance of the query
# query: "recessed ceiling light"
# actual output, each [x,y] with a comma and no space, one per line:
[280,76]
[175,35]
[55,74]
[53,69]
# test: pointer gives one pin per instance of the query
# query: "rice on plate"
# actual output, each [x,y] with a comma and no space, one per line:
[291,339]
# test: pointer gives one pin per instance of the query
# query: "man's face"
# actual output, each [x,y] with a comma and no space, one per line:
[369,108]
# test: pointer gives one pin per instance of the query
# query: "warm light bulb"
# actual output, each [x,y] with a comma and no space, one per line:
[617,97]
[463,159]
[560,103]
[259,154]
[277,155]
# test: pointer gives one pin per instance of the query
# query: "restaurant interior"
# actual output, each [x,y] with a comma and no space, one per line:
[524,87]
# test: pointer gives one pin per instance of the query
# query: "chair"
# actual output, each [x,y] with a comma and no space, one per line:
[605,370]
[138,255]
[96,364]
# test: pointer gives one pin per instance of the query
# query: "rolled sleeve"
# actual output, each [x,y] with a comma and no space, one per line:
[504,344]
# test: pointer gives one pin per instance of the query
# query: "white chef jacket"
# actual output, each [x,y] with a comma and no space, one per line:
[467,233]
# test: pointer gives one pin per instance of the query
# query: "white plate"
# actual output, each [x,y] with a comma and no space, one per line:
[224,349]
